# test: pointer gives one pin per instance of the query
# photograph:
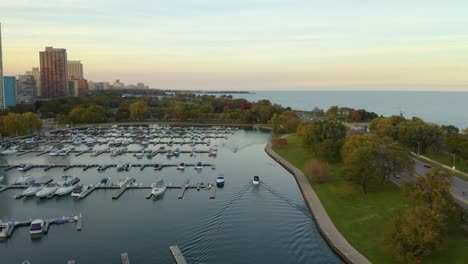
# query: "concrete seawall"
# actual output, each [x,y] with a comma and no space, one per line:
[326,227]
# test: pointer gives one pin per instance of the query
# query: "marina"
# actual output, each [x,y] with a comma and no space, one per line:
[163,206]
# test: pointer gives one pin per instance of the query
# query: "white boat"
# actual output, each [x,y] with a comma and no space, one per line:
[32,190]
[256,180]
[24,180]
[91,142]
[36,227]
[47,190]
[199,165]
[169,153]
[181,166]
[65,150]
[1,178]
[177,152]
[77,141]
[69,179]
[220,181]
[11,150]
[139,155]
[65,189]
[53,151]
[79,190]
[158,189]
[4,229]
[25,168]
[123,166]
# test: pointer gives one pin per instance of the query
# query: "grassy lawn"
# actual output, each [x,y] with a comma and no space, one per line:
[364,218]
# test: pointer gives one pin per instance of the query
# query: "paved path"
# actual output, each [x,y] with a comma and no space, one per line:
[323,221]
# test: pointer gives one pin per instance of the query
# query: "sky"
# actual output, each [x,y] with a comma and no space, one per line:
[248,44]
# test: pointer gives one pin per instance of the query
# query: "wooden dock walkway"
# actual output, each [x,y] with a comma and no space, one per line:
[182,190]
[125,186]
[177,254]
[47,223]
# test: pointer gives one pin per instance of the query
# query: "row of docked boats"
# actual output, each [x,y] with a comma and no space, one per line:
[65,186]
[63,151]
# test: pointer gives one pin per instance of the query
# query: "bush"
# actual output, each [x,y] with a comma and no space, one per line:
[316,171]
[279,142]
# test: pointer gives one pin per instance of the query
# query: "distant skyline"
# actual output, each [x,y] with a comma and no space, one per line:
[247,44]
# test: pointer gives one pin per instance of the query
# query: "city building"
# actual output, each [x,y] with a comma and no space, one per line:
[26,88]
[9,85]
[54,74]
[73,87]
[37,77]
[2,89]
[75,70]
[118,85]
[82,87]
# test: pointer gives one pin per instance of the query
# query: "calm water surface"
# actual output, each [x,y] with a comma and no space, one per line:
[244,224]
[437,107]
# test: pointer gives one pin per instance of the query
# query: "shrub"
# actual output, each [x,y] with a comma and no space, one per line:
[317,171]
[279,142]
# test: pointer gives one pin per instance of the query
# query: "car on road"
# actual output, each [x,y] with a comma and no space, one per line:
[427,166]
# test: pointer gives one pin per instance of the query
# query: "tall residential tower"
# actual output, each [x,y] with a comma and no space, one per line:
[75,70]
[54,72]
[2,88]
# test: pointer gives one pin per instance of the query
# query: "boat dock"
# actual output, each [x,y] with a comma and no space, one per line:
[101,167]
[183,188]
[177,254]
[47,223]
[125,186]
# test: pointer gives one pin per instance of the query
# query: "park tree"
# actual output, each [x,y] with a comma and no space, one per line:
[417,133]
[386,126]
[368,158]
[317,171]
[139,110]
[13,124]
[332,113]
[417,233]
[286,122]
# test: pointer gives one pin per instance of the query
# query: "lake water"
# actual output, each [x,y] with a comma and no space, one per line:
[436,107]
[269,223]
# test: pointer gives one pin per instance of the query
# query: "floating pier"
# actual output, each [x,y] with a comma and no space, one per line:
[47,223]
[183,188]
[177,254]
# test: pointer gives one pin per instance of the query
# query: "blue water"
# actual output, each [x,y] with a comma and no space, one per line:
[269,223]
[435,107]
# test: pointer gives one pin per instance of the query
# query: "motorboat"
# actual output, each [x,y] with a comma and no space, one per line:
[77,141]
[25,167]
[101,167]
[139,155]
[79,190]
[181,166]
[53,151]
[123,166]
[4,229]
[158,188]
[91,142]
[199,165]
[256,180]
[1,178]
[69,179]
[32,190]
[11,150]
[220,181]
[65,189]
[177,152]
[36,227]
[24,180]
[47,190]
[30,141]
[145,143]
[65,150]
[169,153]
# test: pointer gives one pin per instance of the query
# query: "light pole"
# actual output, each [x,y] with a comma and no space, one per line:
[453,166]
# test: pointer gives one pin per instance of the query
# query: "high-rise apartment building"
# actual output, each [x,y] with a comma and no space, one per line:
[9,85]
[37,77]
[2,89]
[54,72]
[26,88]
[75,70]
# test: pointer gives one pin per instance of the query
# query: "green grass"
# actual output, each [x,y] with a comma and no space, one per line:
[364,218]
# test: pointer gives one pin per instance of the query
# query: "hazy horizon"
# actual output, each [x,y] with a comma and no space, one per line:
[247,44]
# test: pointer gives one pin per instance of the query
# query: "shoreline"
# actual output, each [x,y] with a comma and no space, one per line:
[323,222]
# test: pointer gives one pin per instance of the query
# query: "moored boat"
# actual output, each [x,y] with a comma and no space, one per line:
[158,188]
[66,188]
[4,229]
[79,190]
[36,227]
[32,190]
[181,166]
[24,180]
[47,190]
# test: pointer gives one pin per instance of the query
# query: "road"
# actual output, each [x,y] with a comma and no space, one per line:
[458,188]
